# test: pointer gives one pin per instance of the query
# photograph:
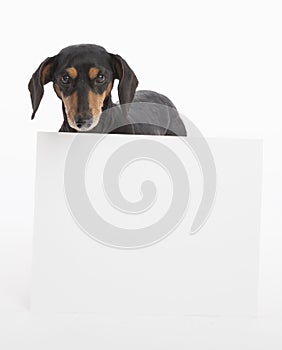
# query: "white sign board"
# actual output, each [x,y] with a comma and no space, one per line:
[96,197]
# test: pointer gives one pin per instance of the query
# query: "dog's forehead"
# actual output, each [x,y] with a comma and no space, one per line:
[81,55]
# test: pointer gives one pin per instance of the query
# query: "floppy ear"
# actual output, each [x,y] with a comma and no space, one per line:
[127,80]
[40,77]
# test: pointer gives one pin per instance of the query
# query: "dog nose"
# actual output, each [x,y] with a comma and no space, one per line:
[83,121]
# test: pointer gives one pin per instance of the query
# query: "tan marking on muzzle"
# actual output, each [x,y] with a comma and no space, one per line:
[96,102]
[71,103]
[72,72]
[93,72]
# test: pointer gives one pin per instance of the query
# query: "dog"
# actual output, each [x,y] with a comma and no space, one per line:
[83,77]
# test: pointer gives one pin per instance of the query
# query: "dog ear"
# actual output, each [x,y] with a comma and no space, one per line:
[40,77]
[127,80]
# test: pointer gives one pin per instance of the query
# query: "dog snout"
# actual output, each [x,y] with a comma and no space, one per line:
[83,121]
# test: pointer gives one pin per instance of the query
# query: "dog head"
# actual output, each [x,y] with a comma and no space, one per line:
[83,77]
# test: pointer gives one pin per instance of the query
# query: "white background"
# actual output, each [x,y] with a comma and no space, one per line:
[219,61]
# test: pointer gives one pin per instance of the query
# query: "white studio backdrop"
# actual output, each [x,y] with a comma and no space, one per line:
[219,62]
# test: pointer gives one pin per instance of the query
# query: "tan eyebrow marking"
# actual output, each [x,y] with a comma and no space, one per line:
[72,72]
[93,72]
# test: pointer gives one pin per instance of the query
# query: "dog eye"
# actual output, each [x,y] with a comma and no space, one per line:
[65,79]
[100,78]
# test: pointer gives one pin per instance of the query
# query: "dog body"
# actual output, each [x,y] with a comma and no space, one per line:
[83,78]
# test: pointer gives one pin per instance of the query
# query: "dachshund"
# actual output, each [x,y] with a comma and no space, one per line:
[83,77]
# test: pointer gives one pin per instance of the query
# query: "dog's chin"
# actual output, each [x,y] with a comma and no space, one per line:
[86,127]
